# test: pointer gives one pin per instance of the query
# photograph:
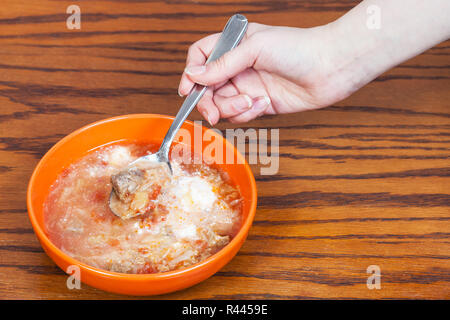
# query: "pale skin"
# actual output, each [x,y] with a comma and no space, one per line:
[279,70]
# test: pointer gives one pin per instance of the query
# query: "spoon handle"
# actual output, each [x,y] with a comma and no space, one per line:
[231,36]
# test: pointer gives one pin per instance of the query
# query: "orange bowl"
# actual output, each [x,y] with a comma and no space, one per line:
[149,128]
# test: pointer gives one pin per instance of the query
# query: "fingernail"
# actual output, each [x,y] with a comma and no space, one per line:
[261,103]
[195,70]
[208,118]
[242,103]
[179,93]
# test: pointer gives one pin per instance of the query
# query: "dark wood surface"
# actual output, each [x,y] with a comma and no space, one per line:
[364,182]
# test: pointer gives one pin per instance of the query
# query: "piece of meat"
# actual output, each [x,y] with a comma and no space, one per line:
[137,188]
[126,183]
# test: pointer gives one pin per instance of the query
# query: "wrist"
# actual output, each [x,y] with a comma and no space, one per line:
[361,52]
[356,55]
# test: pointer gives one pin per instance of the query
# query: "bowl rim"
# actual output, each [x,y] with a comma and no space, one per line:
[238,238]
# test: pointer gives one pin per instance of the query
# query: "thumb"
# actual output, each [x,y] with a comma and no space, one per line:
[226,67]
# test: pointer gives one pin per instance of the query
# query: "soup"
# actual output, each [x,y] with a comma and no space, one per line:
[186,220]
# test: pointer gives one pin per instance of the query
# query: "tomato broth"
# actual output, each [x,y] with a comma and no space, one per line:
[189,219]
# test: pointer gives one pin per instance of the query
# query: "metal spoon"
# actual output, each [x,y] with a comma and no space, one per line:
[231,36]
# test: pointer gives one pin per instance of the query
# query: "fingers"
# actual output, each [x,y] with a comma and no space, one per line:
[207,107]
[224,68]
[197,55]
[258,108]
[240,58]
[232,106]
[223,99]
[239,108]
[227,102]
[250,82]
[228,90]
[241,99]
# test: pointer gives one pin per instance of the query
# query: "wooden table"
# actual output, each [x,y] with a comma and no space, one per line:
[364,182]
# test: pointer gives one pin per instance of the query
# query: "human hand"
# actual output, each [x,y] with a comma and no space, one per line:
[281,69]
[274,70]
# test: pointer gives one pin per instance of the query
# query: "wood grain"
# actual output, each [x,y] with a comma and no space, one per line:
[364,182]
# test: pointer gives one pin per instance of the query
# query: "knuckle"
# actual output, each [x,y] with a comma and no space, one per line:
[221,63]
[193,47]
[192,51]
[224,108]
[201,106]
[205,103]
